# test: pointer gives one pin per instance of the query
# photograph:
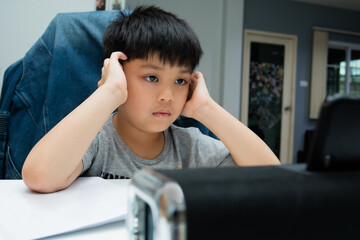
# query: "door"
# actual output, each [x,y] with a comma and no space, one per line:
[268,89]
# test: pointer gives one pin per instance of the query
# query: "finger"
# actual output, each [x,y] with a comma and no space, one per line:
[106,62]
[195,74]
[100,83]
[194,77]
[198,78]
[198,75]
[118,55]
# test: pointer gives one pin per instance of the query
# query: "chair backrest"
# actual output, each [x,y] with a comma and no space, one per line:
[55,75]
[58,73]
[336,141]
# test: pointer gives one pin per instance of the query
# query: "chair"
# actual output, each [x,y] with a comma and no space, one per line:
[337,136]
[59,72]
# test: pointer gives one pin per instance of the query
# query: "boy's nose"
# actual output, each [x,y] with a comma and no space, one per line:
[165,95]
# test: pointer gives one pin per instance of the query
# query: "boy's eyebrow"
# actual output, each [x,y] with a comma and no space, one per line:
[149,65]
[156,67]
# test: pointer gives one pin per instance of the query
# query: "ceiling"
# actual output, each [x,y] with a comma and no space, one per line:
[353,5]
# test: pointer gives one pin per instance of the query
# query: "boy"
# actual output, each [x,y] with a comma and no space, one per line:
[148,75]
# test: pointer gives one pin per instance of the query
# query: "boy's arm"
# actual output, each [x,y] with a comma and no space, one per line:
[55,161]
[245,146]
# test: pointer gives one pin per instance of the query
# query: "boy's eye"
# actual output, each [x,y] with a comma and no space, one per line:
[151,78]
[181,81]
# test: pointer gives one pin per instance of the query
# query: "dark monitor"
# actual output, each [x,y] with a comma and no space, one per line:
[336,141]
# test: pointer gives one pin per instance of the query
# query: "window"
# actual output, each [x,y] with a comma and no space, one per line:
[335,68]
[343,69]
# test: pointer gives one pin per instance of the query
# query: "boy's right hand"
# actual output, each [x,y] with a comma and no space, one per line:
[113,77]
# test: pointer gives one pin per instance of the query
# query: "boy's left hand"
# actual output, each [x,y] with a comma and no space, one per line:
[199,96]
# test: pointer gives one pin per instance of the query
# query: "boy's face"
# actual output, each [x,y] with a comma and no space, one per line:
[157,93]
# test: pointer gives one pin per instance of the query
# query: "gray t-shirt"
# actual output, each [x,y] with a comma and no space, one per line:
[109,157]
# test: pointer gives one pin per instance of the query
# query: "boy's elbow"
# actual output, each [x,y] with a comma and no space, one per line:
[276,162]
[38,180]
[35,183]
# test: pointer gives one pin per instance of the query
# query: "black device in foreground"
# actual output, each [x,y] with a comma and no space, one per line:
[295,201]
[270,202]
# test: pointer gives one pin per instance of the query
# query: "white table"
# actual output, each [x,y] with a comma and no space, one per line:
[115,230]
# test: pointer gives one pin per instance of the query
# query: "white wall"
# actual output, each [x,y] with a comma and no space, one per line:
[218,24]
[22,22]
[232,58]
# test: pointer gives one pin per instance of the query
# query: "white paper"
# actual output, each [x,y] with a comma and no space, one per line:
[88,202]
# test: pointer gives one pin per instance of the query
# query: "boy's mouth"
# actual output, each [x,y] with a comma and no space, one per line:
[162,113]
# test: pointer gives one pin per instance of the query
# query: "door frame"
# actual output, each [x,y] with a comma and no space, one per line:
[288,99]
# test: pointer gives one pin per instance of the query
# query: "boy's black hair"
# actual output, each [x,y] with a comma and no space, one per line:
[151,30]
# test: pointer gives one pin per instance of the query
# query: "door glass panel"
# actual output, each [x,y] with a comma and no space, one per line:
[265,92]
[336,71]
[355,72]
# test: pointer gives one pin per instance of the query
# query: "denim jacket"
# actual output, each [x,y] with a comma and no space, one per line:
[58,73]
